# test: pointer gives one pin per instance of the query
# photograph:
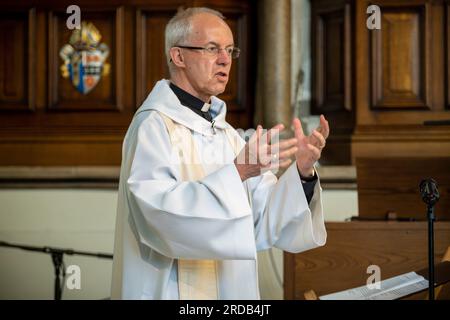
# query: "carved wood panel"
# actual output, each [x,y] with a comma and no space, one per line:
[447,54]
[332,73]
[400,58]
[400,81]
[151,63]
[17,54]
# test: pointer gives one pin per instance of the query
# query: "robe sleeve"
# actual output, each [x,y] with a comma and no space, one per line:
[205,219]
[283,217]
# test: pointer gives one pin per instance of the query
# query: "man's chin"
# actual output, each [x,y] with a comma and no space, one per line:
[219,89]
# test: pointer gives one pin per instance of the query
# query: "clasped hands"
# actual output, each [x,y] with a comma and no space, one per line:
[264,151]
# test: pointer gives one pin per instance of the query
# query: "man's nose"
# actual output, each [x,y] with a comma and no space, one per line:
[223,57]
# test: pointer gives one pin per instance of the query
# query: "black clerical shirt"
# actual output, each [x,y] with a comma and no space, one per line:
[191,102]
[196,105]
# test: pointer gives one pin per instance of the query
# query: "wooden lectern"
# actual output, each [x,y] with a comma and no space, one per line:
[396,247]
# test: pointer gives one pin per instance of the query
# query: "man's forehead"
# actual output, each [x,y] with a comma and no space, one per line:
[211,28]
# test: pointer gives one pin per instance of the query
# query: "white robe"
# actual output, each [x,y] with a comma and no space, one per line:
[161,218]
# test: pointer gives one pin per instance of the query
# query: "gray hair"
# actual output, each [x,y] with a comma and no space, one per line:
[179,27]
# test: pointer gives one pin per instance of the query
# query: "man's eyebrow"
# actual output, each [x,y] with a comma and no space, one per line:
[217,45]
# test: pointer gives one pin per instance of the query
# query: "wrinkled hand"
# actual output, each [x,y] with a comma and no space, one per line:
[310,147]
[260,154]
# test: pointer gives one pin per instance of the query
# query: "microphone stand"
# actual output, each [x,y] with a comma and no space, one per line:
[57,259]
[431,218]
[430,195]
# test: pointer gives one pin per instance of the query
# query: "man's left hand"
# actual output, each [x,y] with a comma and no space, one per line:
[309,148]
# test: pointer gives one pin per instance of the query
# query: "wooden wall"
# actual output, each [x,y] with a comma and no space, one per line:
[45,121]
[379,86]
[402,81]
[390,190]
[332,74]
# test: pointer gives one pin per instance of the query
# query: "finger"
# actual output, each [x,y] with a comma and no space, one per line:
[314,152]
[260,150]
[264,154]
[283,144]
[318,138]
[254,136]
[287,153]
[298,129]
[285,163]
[259,132]
[324,127]
[252,146]
[280,164]
[273,132]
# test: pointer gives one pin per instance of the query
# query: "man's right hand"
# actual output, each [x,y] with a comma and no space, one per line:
[265,152]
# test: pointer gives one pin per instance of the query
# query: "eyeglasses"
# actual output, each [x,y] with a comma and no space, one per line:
[212,50]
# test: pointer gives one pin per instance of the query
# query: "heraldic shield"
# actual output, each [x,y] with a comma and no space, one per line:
[84,58]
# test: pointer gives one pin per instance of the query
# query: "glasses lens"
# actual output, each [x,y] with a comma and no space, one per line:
[235,53]
[212,50]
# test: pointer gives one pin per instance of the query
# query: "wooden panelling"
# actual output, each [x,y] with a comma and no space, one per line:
[151,63]
[401,141]
[332,72]
[400,68]
[400,81]
[447,54]
[378,87]
[70,128]
[108,93]
[396,247]
[332,90]
[82,151]
[400,58]
[392,185]
[17,60]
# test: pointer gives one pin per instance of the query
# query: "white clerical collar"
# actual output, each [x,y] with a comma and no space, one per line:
[206,107]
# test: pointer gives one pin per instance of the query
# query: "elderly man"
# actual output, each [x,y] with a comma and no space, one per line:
[196,202]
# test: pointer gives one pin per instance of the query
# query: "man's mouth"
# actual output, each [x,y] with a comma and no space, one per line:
[222,76]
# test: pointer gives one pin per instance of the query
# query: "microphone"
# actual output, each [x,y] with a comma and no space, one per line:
[429,191]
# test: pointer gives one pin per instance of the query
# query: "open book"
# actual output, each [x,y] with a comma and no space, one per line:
[390,289]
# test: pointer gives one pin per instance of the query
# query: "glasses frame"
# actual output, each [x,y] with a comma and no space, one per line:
[234,54]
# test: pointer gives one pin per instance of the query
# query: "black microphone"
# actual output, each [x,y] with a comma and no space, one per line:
[429,191]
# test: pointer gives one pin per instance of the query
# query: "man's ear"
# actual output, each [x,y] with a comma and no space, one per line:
[176,57]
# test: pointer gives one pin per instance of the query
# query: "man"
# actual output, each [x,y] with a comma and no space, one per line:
[194,206]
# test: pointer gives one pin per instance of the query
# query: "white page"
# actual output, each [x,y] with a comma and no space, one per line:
[401,291]
[390,289]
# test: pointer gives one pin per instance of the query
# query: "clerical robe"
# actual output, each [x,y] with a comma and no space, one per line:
[161,218]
